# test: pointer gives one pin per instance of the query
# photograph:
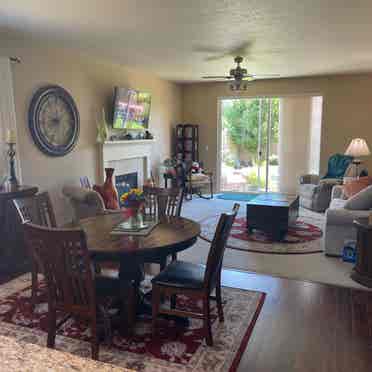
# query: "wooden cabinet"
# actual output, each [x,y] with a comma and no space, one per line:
[13,255]
[362,272]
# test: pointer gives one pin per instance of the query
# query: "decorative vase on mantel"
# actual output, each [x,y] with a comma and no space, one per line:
[109,190]
[102,128]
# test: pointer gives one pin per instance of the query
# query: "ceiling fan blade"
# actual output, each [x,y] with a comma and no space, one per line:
[248,78]
[217,77]
[265,75]
[217,53]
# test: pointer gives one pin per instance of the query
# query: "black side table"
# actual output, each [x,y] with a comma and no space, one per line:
[362,272]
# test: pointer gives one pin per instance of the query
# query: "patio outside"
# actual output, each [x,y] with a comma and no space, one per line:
[248,149]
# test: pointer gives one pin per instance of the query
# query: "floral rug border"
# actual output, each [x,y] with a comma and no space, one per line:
[309,247]
[229,342]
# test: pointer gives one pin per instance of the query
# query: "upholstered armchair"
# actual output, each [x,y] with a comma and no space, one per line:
[85,202]
[315,192]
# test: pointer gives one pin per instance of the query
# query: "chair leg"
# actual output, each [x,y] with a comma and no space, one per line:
[52,322]
[34,285]
[132,306]
[173,301]
[219,301]
[207,321]
[94,341]
[155,307]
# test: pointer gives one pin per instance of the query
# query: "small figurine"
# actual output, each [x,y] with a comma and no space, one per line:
[196,167]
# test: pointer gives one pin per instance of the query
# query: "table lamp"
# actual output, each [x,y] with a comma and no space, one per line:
[358,147]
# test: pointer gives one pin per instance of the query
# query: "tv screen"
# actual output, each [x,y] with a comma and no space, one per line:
[132,109]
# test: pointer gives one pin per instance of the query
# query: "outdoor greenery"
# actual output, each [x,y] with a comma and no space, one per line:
[252,179]
[241,119]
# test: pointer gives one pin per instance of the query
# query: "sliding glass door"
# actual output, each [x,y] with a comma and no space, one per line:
[249,144]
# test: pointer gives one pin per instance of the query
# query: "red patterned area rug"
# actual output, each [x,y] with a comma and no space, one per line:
[175,349]
[303,237]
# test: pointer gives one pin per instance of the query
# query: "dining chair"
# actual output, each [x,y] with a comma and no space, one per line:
[191,182]
[160,203]
[70,280]
[37,209]
[85,183]
[195,281]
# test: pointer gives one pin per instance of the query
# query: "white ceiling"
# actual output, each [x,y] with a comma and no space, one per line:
[179,39]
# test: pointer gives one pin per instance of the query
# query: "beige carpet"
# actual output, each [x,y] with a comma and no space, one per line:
[311,267]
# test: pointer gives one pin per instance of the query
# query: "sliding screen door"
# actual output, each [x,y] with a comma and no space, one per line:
[249,138]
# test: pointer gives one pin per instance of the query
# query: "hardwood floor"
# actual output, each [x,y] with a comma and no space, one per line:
[306,327]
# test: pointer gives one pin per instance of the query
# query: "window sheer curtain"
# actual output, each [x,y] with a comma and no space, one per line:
[7,115]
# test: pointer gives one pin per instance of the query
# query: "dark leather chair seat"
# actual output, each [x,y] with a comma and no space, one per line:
[181,274]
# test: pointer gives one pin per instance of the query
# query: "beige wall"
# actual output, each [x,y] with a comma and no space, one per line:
[294,132]
[91,84]
[347,109]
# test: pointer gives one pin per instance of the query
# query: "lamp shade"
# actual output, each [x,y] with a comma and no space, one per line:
[358,147]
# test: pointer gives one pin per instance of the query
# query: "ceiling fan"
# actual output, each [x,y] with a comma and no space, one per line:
[239,76]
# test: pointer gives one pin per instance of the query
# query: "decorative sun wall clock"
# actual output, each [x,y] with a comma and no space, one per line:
[53,120]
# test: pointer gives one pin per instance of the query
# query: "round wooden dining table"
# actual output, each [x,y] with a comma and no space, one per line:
[170,235]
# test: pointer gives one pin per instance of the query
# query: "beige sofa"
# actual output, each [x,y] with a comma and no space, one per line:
[339,217]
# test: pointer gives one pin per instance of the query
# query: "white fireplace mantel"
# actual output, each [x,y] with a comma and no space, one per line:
[119,151]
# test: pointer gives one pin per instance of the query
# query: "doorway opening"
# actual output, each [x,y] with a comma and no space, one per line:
[267,143]
[249,144]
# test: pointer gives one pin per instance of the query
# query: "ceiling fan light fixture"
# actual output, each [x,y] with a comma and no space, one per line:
[238,86]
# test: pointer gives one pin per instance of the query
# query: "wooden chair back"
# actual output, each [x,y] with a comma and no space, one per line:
[27,209]
[85,183]
[67,268]
[46,211]
[183,171]
[37,209]
[218,246]
[162,202]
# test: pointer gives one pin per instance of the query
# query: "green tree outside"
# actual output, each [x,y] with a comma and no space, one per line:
[241,119]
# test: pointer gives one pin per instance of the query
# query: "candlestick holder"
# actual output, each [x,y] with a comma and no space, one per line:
[12,179]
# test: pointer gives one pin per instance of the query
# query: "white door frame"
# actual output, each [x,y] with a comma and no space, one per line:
[219,133]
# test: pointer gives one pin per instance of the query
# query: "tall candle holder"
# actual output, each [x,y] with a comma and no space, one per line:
[12,179]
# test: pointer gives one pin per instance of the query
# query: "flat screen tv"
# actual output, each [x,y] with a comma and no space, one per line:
[131,109]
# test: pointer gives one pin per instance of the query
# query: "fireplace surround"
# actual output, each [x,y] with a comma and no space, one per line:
[131,156]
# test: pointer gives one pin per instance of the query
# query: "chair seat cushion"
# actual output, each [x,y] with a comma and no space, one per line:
[182,275]
[200,177]
[307,190]
[337,204]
